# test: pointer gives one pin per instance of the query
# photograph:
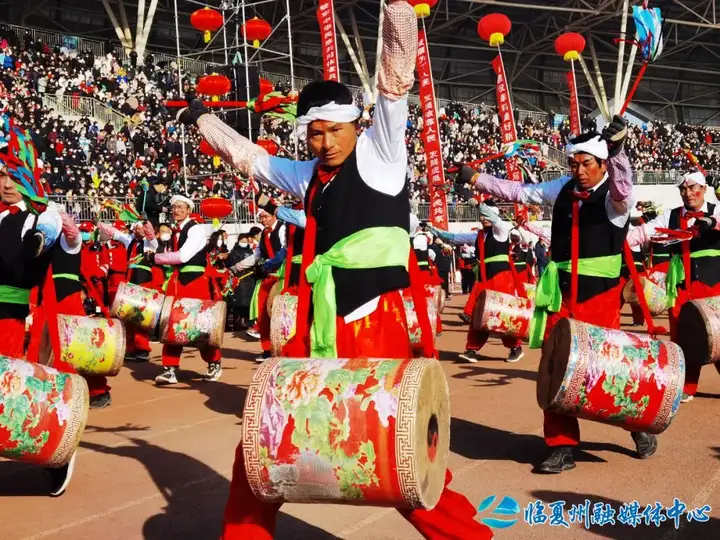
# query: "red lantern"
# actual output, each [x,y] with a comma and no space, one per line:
[493,28]
[423,7]
[266,86]
[214,85]
[270,146]
[256,30]
[206,20]
[216,208]
[570,46]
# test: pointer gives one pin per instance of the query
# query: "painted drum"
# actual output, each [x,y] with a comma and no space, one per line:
[272,294]
[189,321]
[413,323]
[610,376]
[366,432]
[91,345]
[42,413]
[282,321]
[530,291]
[699,331]
[138,306]
[503,315]
[654,289]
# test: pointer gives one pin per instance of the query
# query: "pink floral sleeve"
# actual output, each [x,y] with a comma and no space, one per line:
[399,52]
[235,149]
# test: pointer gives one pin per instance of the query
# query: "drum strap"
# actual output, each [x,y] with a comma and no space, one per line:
[635,277]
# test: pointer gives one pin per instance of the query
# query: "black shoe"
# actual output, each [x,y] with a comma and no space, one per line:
[464,318]
[645,444]
[101,401]
[130,357]
[515,355]
[265,356]
[560,460]
[141,356]
[60,478]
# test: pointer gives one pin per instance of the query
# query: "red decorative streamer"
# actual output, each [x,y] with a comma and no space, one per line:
[326,20]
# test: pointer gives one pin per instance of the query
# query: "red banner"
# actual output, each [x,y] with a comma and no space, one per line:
[326,19]
[505,115]
[574,105]
[431,137]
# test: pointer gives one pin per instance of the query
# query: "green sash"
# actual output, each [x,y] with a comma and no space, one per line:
[71,277]
[188,269]
[377,247]
[14,295]
[548,296]
[297,259]
[140,267]
[255,301]
[493,259]
[676,272]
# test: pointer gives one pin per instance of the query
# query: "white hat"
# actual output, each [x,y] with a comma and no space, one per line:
[182,199]
[597,146]
[693,178]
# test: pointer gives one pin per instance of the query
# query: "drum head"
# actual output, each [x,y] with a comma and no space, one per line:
[553,363]
[693,335]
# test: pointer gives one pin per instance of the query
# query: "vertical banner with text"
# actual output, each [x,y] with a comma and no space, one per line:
[431,137]
[574,105]
[326,19]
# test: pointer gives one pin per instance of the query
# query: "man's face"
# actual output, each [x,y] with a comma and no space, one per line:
[8,188]
[587,170]
[331,142]
[180,211]
[693,195]
[267,220]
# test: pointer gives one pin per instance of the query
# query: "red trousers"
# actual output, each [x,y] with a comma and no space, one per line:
[502,282]
[697,290]
[138,340]
[602,310]
[263,322]
[12,338]
[198,288]
[70,305]
[113,283]
[382,334]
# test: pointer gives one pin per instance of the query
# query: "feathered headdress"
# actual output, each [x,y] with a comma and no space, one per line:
[21,160]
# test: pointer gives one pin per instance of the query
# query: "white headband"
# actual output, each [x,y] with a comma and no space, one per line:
[597,146]
[693,178]
[330,112]
[182,199]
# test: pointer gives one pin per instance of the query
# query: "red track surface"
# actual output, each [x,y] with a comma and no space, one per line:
[155,465]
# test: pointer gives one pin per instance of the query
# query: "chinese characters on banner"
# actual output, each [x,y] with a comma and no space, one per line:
[431,137]
[326,19]
[574,105]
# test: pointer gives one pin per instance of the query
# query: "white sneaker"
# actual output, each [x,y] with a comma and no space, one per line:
[213,372]
[468,356]
[253,333]
[60,478]
[166,377]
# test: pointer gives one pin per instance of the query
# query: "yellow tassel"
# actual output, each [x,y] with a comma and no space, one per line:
[216,161]
[496,39]
[256,43]
[216,223]
[422,10]
[207,36]
[571,55]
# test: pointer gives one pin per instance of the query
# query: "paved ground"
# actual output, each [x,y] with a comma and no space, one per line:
[156,464]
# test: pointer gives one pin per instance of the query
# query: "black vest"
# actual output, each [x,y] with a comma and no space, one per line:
[67,264]
[659,254]
[345,206]
[704,269]
[598,238]
[521,259]
[275,243]
[138,276]
[493,247]
[18,269]
[295,239]
[199,259]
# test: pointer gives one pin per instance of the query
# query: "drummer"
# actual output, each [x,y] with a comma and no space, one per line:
[357,208]
[494,274]
[189,280]
[593,207]
[139,272]
[702,266]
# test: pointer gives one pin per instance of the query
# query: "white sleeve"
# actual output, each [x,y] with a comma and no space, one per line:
[420,242]
[639,236]
[501,230]
[195,242]
[618,212]
[248,262]
[431,254]
[49,223]
[123,238]
[150,245]
[285,174]
[381,150]
[283,236]
[68,248]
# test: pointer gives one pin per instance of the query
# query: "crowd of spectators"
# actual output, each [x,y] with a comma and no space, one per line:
[84,158]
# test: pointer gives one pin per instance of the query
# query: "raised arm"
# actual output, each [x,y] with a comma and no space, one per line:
[620,184]
[537,230]
[70,240]
[458,239]
[114,234]
[294,217]
[544,193]
[640,236]
[193,245]
[501,228]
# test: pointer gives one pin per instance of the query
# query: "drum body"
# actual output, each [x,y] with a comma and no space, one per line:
[503,315]
[530,291]
[272,294]
[42,413]
[282,321]
[138,306]
[654,290]
[359,431]
[189,321]
[91,345]
[610,376]
[440,299]
[414,330]
[699,331]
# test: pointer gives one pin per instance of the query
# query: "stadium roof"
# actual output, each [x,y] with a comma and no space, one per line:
[682,86]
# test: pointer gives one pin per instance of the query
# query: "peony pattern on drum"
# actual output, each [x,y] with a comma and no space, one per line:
[611,376]
[654,289]
[189,321]
[503,314]
[91,345]
[413,324]
[530,289]
[137,305]
[42,412]
[282,321]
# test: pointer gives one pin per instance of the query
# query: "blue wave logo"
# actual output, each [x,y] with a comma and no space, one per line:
[501,516]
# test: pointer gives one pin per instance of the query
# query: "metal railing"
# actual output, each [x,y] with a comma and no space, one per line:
[85,106]
[59,40]
[659,178]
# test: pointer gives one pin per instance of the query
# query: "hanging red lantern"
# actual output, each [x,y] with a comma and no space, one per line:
[570,46]
[266,86]
[269,145]
[493,28]
[216,208]
[206,20]
[214,85]
[423,7]
[256,30]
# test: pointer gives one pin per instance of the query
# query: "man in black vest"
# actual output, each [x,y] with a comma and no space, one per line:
[357,235]
[189,280]
[591,213]
[698,259]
